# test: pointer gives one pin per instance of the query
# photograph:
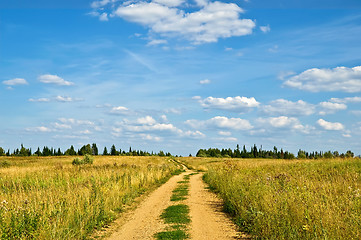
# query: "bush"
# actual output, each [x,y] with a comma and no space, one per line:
[86,160]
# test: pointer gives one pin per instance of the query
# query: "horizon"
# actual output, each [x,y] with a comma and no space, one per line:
[179,76]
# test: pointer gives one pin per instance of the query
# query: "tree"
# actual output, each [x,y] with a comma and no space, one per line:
[38,152]
[349,154]
[113,151]
[94,149]
[70,151]
[86,149]
[2,152]
[105,151]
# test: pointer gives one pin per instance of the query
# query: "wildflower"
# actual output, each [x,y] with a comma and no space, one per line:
[306,228]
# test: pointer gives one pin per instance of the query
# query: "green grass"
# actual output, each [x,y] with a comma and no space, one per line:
[177,214]
[172,235]
[180,193]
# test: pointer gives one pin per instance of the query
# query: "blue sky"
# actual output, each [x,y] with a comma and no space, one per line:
[179,75]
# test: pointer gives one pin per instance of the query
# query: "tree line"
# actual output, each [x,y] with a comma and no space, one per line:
[89,149]
[255,152]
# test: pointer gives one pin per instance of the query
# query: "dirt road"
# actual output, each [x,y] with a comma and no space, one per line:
[144,222]
[207,219]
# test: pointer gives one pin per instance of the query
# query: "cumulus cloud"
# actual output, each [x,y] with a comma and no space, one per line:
[221,122]
[330,107]
[288,108]
[148,120]
[15,81]
[335,126]
[54,79]
[238,103]
[327,80]
[284,122]
[120,110]
[211,21]
[148,124]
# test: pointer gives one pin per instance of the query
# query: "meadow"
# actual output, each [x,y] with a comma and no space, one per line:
[288,199]
[50,198]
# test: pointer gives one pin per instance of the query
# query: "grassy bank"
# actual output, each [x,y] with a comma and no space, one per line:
[280,199]
[49,198]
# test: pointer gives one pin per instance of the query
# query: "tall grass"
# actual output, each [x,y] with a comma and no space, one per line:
[49,198]
[280,199]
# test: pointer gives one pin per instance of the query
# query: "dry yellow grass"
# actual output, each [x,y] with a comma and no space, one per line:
[289,199]
[49,198]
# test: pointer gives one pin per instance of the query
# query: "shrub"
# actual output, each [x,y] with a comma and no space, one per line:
[86,160]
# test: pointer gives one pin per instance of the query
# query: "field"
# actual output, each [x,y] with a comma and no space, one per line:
[49,198]
[288,199]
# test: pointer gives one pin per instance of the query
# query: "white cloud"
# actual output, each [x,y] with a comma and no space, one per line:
[224,133]
[103,17]
[191,134]
[102,3]
[64,99]
[205,81]
[154,127]
[164,118]
[170,3]
[356,112]
[346,135]
[119,110]
[346,100]
[38,129]
[54,79]
[62,126]
[221,122]
[285,107]
[265,29]
[73,121]
[197,98]
[15,81]
[149,137]
[212,21]
[227,139]
[85,132]
[330,107]
[284,122]
[329,80]
[157,42]
[330,125]
[39,100]
[230,103]
[148,120]
[280,122]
